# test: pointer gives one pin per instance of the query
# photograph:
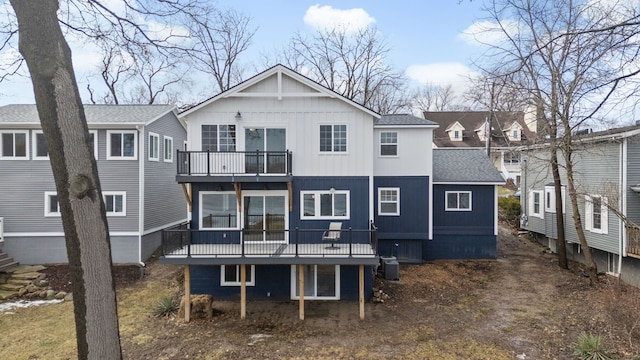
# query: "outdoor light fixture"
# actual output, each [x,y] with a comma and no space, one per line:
[238,116]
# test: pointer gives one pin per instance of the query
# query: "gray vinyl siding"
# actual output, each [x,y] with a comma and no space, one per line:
[164,200]
[52,249]
[633,178]
[596,172]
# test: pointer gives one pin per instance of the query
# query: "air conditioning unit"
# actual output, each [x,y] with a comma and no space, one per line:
[391,269]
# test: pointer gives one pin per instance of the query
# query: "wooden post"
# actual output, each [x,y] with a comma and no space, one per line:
[361,281]
[243,291]
[187,294]
[301,289]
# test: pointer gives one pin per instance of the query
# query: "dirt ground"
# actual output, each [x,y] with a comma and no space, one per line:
[521,306]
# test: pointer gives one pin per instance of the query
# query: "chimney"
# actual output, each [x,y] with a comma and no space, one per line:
[531,118]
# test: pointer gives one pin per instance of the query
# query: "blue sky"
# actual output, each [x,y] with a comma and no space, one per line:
[425,36]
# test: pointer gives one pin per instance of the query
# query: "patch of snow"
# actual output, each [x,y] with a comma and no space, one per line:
[5,307]
[257,337]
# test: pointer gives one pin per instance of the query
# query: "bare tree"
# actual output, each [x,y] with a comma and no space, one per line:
[432,97]
[567,69]
[219,39]
[76,176]
[352,64]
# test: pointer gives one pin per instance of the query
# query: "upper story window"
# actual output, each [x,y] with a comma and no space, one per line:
[456,134]
[168,149]
[219,138]
[154,147]
[458,200]
[332,204]
[14,145]
[51,205]
[389,201]
[218,210]
[596,214]
[39,146]
[115,203]
[511,158]
[122,145]
[333,138]
[389,143]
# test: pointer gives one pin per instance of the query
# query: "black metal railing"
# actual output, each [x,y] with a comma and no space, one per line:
[184,242]
[234,163]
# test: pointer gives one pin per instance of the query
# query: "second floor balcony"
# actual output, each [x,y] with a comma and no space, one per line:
[276,165]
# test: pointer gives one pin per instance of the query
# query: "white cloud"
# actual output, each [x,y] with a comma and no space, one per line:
[488,32]
[326,17]
[455,74]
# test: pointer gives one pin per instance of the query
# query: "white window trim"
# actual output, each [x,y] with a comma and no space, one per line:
[124,202]
[166,139]
[446,203]
[153,138]
[317,194]
[333,152]
[27,145]
[34,145]
[95,142]
[122,157]
[47,204]
[397,202]
[238,215]
[550,206]
[604,215]
[531,204]
[381,144]
[294,284]
[223,282]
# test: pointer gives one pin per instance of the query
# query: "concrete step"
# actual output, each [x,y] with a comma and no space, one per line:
[25,276]
[5,260]
[10,287]
[10,267]
[5,295]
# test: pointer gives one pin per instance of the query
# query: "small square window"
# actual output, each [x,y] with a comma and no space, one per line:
[333,138]
[389,201]
[115,203]
[51,205]
[122,145]
[388,144]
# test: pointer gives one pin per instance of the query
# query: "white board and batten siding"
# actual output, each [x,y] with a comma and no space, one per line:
[300,110]
[415,153]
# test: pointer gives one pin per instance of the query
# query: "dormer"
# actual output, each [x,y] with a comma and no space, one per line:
[455,131]
[514,132]
[482,131]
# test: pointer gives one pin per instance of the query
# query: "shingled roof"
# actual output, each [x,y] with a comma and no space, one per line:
[404,120]
[464,166]
[96,114]
[473,120]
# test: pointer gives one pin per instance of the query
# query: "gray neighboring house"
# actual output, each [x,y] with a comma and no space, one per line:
[607,171]
[135,147]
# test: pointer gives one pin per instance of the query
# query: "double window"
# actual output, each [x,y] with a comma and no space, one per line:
[389,143]
[40,151]
[219,138]
[596,214]
[218,210]
[122,145]
[230,275]
[458,200]
[333,138]
[332,204]
[389,201]
[14,145]
[114,202]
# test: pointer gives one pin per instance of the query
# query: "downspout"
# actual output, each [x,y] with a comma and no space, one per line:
[371,198]
[141,159]
[623,205]
[524,195]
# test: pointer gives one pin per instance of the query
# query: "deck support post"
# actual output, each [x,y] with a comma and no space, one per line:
[361,286]
[301,289]
[186,188]
[187,293]
[243,291]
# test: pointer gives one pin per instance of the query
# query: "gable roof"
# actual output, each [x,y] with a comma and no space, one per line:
[468,166]
[280,70]
[27,114]
[404,120]
[503,120]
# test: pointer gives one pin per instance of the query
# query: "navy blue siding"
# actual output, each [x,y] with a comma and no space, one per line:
[273,282]
[403,236]
[463,234]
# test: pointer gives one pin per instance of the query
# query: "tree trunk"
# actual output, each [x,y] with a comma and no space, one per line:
[561,244]
[76,176]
